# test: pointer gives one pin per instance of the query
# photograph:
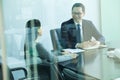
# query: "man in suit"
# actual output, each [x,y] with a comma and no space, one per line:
[70,32]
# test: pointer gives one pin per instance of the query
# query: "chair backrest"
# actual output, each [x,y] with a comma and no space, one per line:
[10,76]
[71,75]
[57,41]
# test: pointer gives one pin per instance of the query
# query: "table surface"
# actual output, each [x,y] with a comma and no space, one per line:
[96,63]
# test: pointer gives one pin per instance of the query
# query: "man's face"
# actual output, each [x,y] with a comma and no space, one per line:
[77,14]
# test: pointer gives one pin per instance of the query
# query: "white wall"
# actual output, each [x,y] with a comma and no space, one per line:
[50,12]
[111,22]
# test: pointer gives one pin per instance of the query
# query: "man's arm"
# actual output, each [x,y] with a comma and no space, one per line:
[97,35]
[91,31]
[64,32]
[64,35]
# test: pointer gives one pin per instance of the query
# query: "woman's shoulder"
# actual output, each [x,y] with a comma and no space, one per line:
[38,44]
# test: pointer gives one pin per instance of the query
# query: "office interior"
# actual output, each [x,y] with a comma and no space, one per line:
[15,13]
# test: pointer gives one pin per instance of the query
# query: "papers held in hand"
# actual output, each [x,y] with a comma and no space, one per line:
[73,50]
[91,44]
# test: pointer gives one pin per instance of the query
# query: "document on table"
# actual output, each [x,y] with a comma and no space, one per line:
[95,47]
[74,50]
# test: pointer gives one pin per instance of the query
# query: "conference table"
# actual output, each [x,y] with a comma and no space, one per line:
[95,63]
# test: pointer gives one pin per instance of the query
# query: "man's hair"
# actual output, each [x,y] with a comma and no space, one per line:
[33,23]
[79,5]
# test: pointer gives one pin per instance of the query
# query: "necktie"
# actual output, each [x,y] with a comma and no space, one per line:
[78,33]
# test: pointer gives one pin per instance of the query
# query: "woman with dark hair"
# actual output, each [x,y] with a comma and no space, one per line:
[35,48]
[35,52]
[32,45]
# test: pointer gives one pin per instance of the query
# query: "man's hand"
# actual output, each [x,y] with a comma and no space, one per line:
[91,43]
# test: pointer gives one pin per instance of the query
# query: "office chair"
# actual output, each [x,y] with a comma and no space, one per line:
[10,75]
[57,42]
[71,75]
[43,68]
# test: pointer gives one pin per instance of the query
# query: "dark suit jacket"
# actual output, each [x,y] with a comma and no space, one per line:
[68,32]
[42,52]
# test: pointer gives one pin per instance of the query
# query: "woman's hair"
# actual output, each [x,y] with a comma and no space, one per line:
[32,27]
[33,23]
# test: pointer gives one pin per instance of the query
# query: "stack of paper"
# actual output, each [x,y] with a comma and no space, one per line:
[73,50]
[95,47]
